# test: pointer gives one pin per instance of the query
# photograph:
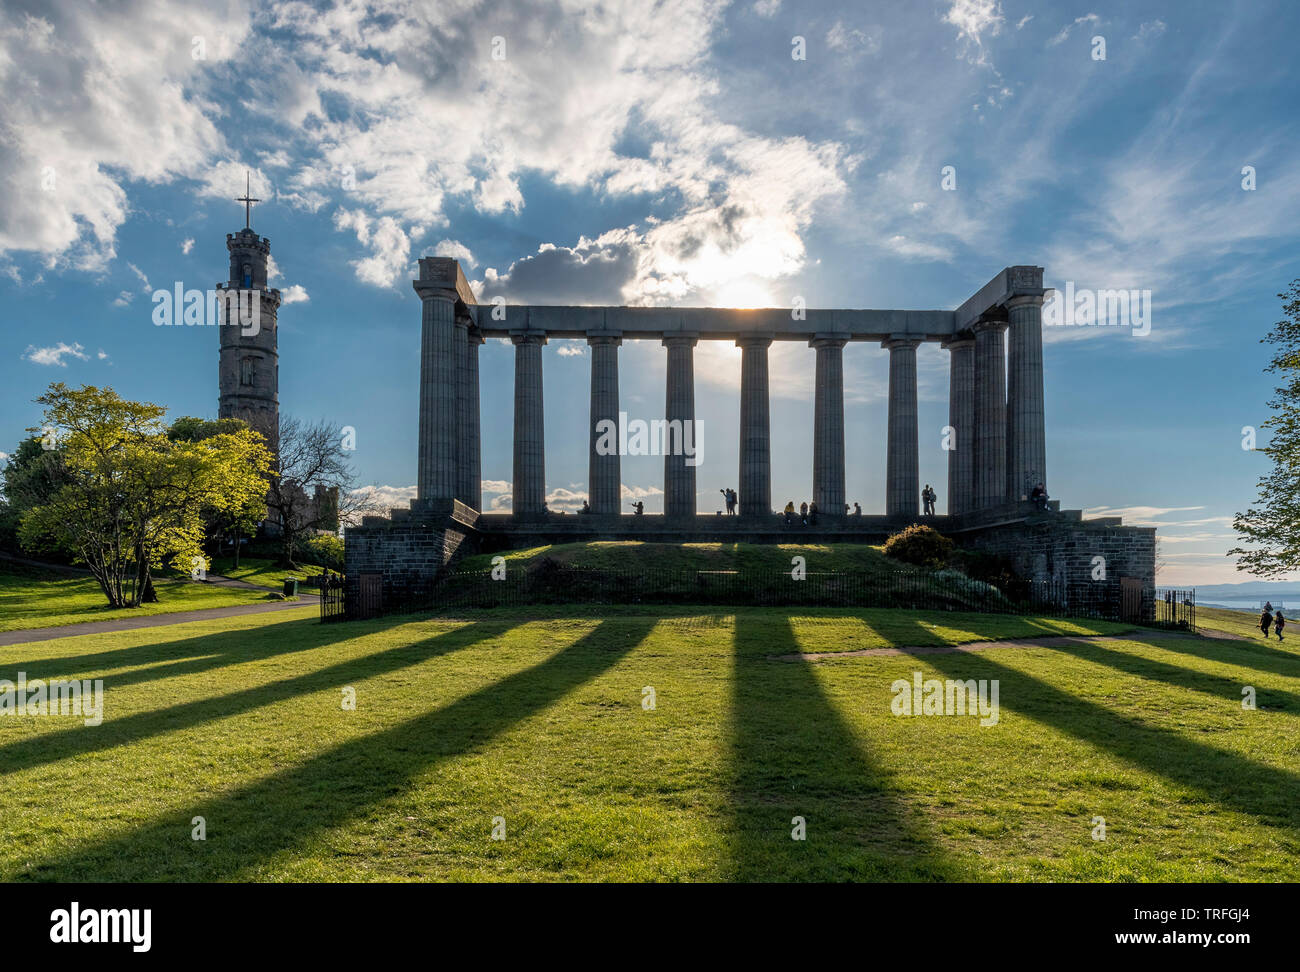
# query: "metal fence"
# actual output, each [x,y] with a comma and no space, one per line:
[941,591]
[1175,608]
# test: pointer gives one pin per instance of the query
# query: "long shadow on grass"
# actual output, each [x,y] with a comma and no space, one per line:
[794,756]
[201,650]
[293,807]
[1219,776]
[80,739]
[1243,654]
[1227,688]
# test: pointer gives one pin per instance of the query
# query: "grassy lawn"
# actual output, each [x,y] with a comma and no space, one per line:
[1244,624]
[539,720]
[629,554]
[35,598]
[261,572]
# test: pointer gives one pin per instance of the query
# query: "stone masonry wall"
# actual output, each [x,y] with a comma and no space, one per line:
[1043,550]
[407,552]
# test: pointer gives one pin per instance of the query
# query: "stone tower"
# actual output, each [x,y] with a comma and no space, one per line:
[249,369]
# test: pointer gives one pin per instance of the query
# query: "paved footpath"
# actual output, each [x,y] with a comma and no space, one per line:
[153,620]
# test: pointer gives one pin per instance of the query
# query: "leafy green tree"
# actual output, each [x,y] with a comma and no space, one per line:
[133,497]
[1272,525]
[236,522]
[33,473]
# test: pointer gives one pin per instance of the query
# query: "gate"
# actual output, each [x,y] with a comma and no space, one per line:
[370,596]
[1130,599]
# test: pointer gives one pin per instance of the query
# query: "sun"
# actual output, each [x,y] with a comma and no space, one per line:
[743,293]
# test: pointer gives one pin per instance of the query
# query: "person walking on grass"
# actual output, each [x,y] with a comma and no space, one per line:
[1279,623]
[1265,621]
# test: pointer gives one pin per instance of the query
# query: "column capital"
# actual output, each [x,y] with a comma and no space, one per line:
[433,291]
[527,337]
[828,341]
[599,338]
[988,324]
[680,339]
[898,342]
[1020,300]
[958,342]
[757,340]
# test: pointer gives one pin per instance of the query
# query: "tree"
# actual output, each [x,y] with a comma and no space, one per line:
[1272,526]
[133,497]
[31,476]
[238,521]
[316,485]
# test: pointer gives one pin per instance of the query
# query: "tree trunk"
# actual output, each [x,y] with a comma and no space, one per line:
[237,544]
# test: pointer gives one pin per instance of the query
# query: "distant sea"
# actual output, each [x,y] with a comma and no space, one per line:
[1252,605]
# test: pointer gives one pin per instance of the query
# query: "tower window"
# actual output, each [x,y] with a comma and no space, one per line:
[248,275]
[246,371]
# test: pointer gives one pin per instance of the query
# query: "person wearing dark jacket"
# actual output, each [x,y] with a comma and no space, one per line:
[1265,622]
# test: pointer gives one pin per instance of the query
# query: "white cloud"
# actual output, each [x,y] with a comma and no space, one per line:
[851,40]
[96,96]
[456,250]
[767,8]
[55,354]
[973,19]
[569,349]
[123,298]
[102,355]
[1064,33]
[389,246]
[293,294]
[187,245]
[1150,29]
[144,280]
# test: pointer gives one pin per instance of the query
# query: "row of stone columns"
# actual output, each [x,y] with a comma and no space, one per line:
[996,452]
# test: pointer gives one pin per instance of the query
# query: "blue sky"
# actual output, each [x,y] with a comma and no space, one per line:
[670,153]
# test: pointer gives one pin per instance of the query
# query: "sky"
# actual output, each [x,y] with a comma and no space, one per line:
[680,152]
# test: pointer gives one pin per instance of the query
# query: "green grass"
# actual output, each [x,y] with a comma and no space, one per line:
[34,598]
[539,720]
[1244,624]
[260,571]
[701,556]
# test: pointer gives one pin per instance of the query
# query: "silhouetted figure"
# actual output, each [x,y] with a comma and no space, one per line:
[812,512]
[729,497]
[789,512]
[1279,623]
[586,507]
[1268,605]
[638,508]
[1039,496]
[1265,621]
[857,509]
[928,496]
[803,513]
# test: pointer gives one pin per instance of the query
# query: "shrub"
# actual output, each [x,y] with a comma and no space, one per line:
[324,551]
[921,545]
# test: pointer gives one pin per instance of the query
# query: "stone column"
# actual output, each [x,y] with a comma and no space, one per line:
[1026,435]
[437,473]
[467,340]
[755,484]
[902,460]
[529,496]
[990,414]
[828,426]
[604,476]
[679,405]
[961,418]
